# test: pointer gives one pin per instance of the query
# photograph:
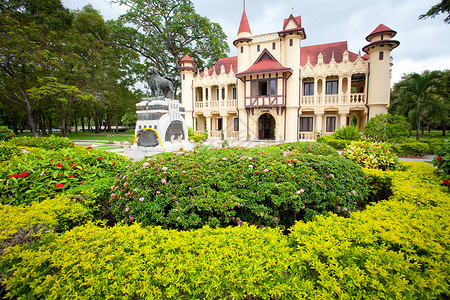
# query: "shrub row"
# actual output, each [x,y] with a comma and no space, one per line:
[371,155]
[50,143]
[396,249]
[45,173]
[220,187]
[8,150]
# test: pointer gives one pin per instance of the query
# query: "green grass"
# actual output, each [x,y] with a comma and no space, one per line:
[89,136]
[433,134]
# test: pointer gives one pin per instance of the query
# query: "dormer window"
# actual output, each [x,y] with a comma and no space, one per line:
[258,48]
[382,38]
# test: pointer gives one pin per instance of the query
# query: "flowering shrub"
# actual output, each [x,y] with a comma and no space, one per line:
[264,186]
[45,173]
[8,150]
[371,155]
[50,143]
[442,162]
[6,133]
[308,148]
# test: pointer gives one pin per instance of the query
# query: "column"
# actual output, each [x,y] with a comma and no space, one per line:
[316,82]
[208,124]
[319,122]
[340,91]
[225,126]
[324,89]
[342,119]
[203,94]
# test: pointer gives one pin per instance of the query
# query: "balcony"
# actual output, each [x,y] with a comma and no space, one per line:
[215,105]
[352,100]
[226,135]
[265,101]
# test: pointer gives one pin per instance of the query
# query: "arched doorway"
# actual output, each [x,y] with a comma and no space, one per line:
[266,126]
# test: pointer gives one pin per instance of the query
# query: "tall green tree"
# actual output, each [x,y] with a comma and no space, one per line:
[417,96]
[163,31]
[442,7]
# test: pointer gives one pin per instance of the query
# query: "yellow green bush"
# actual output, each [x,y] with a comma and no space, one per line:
[21,224]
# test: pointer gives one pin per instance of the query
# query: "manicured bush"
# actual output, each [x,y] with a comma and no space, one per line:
[198,137]
[21,224]
[371,155]
[307,148]
[6,133]
[50,143]
[380,183]
[387,127]
[434,144]
[131,262]
[413,148]
[442,162]
[263,186]
[350,132]
[335,143]
[8,150]
[45,173]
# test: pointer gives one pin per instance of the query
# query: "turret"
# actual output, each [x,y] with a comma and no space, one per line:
[379,82]
[243,44]
[187,72]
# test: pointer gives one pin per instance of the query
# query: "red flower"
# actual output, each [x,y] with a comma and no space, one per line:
[446,182]
[71,176]
[114,163]
[439,158]
[59,185]
[88,147]
[99,158]
[72,165]
[59,165]
[15,176]
[24,174]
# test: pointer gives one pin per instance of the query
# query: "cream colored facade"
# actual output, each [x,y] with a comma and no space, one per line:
[277,90]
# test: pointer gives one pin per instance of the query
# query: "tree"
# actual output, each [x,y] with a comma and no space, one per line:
[417,97]
[386,127]
[443,7]
[163,31]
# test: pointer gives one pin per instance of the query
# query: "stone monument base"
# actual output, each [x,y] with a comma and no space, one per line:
[139,152]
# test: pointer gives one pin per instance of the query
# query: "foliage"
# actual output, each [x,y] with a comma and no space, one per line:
[8,150]
[168,30]
[396,249]
[442,161]
[46,173]
[332,142]
[442,7]
[386,127]
[417,96]
[380,183]
[49,143]
[413,148]
[6,133]
[350,132]
[196,137]
[129,119]
[263,186]
[371,155]
[434,144]
[307,148]
[19,224]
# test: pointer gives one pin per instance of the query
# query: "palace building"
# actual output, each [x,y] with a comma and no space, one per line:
[275,89]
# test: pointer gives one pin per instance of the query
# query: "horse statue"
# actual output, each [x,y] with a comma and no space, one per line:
[160,86]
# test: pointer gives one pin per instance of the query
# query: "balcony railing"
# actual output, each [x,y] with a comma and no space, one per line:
[226,135]
[346,99]
[216,105]
[307,136]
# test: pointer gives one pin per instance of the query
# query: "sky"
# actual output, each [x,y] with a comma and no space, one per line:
[424,44]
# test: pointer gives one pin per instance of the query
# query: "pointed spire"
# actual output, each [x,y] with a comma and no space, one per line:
[244,27]
[307,60]
[332,56]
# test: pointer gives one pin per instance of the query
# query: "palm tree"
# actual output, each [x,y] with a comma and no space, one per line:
[417,97]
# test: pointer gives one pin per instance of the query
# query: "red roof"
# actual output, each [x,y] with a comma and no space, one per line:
[228,62]
[265,63]
[244,27]
[327,51]
[381,29]
[187,58]
[297,20]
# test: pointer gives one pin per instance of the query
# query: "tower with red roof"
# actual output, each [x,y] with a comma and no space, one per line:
[379,69]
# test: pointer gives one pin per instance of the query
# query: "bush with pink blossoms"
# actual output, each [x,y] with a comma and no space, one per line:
[221,187]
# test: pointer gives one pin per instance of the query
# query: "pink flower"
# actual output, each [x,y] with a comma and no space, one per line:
[299,191]
[178,218]
[158,192]
[266,170]
[261,214]
[345,209]
[276,219]
[163,181]
[331,175]
[250,166]
[127,208]
[240,223]
[131,218]
[276,185]
[164,169]
[141,199]
[353,192]
[224,158]
[145,165]
[338,207]
[250,158]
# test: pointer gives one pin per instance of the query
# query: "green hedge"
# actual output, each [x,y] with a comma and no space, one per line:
[219,187]
[49,143]
[396,249]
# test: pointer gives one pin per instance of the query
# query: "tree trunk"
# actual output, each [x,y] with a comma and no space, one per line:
[49,123]
[82,124]
[32,121]
[97,122]
[75,121]
[421,126]
[117,123]
[444,127]
[41,121]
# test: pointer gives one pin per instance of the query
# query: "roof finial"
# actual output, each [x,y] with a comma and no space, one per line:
[292,10]
[244,5]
